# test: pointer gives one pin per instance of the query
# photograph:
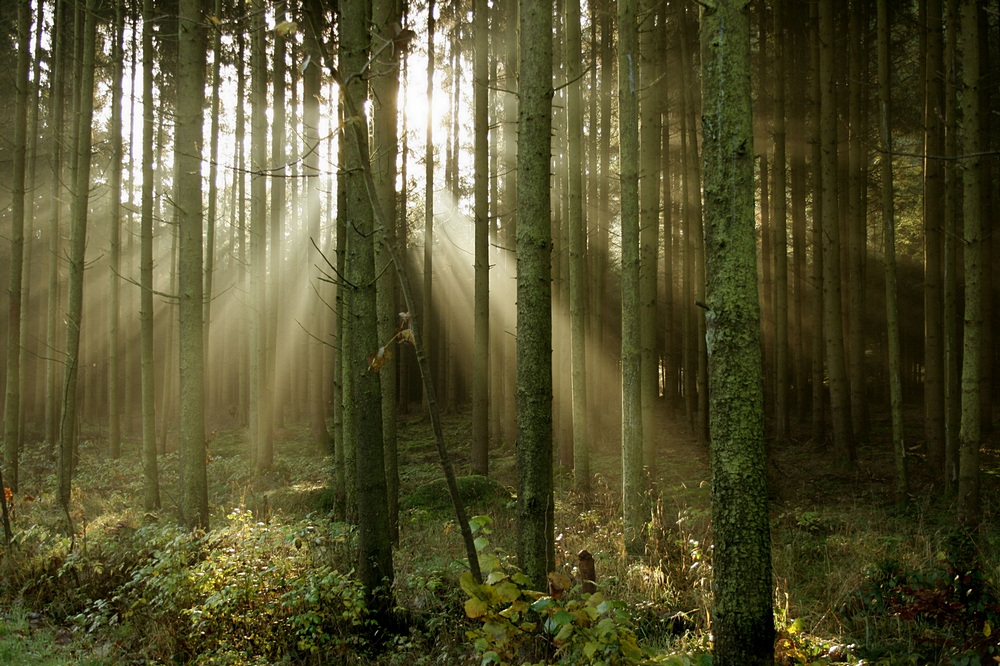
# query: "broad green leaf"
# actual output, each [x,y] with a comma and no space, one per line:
[508,592]
[468,584]
[589,648]
[475,607]
[495,577]
[542,604]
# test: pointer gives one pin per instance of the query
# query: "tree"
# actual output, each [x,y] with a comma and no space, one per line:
[743,619]
[151,496]
[77,249]
[780,223]
[833,330]
[535,538]
[577,249]
[481,342]
[12,402]
[188,137]
[114,263]
[889,226]
[375,568]
[628,104]
[969,435]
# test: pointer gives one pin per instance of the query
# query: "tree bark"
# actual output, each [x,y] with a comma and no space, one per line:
[743,619]
[481,341]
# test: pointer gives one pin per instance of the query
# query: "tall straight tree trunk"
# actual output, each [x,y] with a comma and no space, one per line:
[481,336]
[375,568]
[114,241]
[816,233]
[430,320]
[933,212]
[388,16]
[950,280]
[628,105]
[743,618]
[577,248]
[780,223]
[857,218]
[213,195]
[312,89]
[535,532]
[970,435]
[840,406]
[649,227]
[19,202]
[76,252]
[188,137]
[889,229]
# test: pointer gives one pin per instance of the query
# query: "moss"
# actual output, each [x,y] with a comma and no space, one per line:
[476,491]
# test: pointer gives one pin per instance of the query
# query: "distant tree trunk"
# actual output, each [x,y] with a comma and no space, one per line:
[840,406]
[970,437]
[213,193]
[628,85]
[388,17]
[933,212]
[816,234]
[151,496]
[19,203]
[312,89]
[950,281]
[76,251]
[535,539]
[649,227]
[780,223]
[260,403]
[114,241]
[430,321]
[481,342]
[743,618]
[187,158]
[577,248]
[857,221]
[375,569]
[889,229]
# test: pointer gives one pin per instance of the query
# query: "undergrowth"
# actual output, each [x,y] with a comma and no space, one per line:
[856,580]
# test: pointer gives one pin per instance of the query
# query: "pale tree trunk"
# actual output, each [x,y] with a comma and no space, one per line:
[780,223]
[628,83]
[151,495]
[260,393]
[742,617]
[889,229]
[19,202]
[213,194]
[840,406]
[577,248]
[933,200]
[388,16]
[312,89]
[481,341]
[188,137]
[649,227]
[114,236]
[970,140]
[76,251]
[535,530]
[58,101]
[375,568]
[430,320]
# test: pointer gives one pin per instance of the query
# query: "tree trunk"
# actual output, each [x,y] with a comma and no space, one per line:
[632,424]
[114,241]
[780,224]
[743,619]
[481,342]
[536,541]
[19,203]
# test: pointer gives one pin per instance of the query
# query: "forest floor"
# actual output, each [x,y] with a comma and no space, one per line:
[857,578]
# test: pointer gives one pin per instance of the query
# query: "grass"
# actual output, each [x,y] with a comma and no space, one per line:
[855,577]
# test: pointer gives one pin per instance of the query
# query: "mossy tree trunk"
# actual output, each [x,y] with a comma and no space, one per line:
[535,543]
[743,621]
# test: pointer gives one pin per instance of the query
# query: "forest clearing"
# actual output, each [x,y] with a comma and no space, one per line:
[856,580]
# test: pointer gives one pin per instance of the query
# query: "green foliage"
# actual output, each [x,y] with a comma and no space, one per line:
[564,627]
